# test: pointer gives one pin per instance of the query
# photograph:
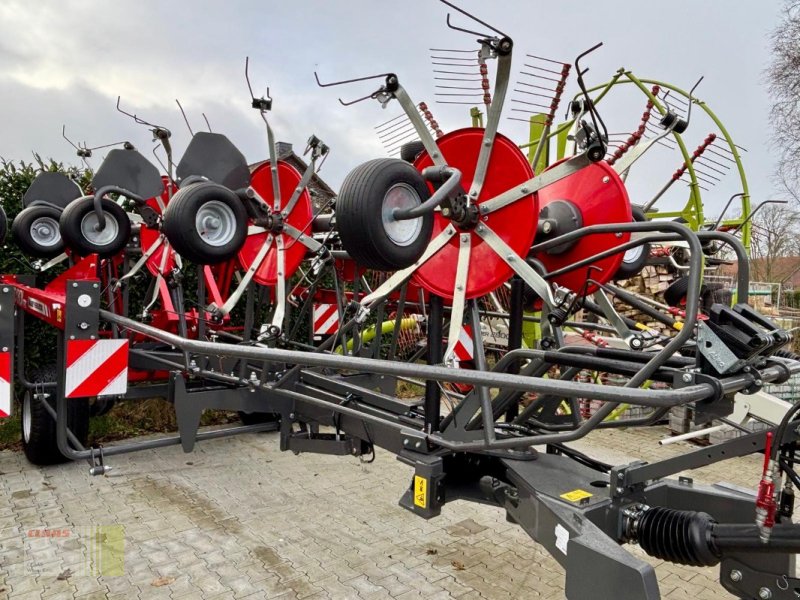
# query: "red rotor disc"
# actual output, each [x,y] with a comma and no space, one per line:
[300,218]
[601,197]
[148,236]
[515,223]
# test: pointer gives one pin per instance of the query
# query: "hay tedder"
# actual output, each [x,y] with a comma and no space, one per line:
[464,270]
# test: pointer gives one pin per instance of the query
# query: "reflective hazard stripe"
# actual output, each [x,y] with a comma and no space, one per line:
[5,384]
[326,319]
[465,347]
[96,368]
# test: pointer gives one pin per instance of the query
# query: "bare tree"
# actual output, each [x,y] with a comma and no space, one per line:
[775,244]
[783,79]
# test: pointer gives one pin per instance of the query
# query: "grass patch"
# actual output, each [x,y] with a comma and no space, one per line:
[10,431]
[127,419]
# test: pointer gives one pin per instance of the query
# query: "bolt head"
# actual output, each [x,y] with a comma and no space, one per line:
[765,593]
[686,377]
[736,575]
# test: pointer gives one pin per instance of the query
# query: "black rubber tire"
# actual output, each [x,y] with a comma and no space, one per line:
[3,225]
[74,238]
[675,294]
[258,418]
[410,150]
[40,444]
[633,267]
[21,231]
[359,218]
[181,231]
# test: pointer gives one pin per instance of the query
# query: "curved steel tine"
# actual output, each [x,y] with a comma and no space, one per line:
[158,159]
[207,123]
[264,103]
[247,76]
[461,29]
[471,16]
[344,81]
[133,116]
[64,135]
[357,100]
[185,120]
[692,99]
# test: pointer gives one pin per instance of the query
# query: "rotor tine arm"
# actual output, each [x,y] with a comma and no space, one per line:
[399,277]
[459,299]
[492,123]
[517,264]
[419,125]
[280,292]
[233,299]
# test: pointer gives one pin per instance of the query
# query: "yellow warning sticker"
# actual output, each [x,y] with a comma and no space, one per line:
[420,491]
[576,495]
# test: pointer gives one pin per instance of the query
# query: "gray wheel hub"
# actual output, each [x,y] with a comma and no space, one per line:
[44,231]
[91,232]
[401,196]
[215,222]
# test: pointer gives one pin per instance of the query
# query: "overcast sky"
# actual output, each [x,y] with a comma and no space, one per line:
[66,61]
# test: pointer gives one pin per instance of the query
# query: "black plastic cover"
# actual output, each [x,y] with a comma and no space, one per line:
[129,170]
[214,157]
[53,188]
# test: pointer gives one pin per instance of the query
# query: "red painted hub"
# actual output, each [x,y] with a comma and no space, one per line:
[148,236]
[600,196]
[515,223]
[300,218]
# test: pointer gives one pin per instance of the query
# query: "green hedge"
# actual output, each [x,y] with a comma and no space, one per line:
[15,178]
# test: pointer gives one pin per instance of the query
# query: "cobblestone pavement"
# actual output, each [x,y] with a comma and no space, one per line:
[239,519]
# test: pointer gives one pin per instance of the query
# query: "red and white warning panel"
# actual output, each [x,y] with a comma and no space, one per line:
[96,368]
[465,346]
[326,319]
[5,384]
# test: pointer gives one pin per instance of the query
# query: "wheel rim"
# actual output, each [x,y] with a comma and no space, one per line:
[26,417]
[215,223]
[401,196]
[633,255]
[44,231]
[93,234]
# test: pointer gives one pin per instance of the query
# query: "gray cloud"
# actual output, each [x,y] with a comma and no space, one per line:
[66,62]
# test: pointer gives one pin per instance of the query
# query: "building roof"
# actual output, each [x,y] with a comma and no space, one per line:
[321,192]
[782,269]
